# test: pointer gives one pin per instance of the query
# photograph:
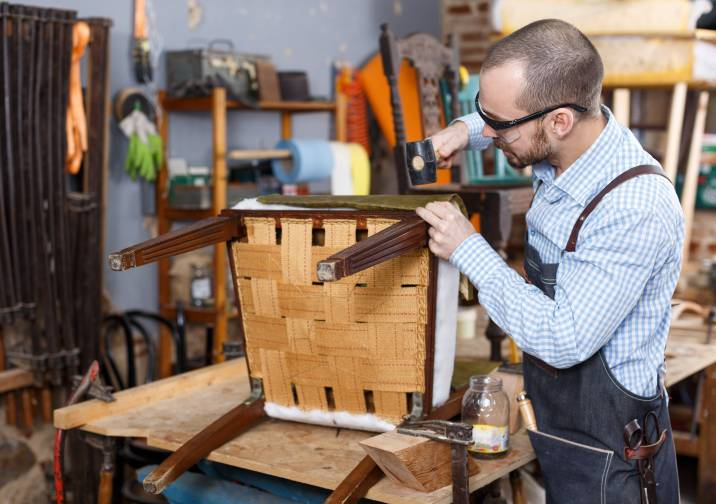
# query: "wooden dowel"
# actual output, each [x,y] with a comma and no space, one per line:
[260,154]
[11,408]
[673,135]
[27,410]
[46,404]
[688,194]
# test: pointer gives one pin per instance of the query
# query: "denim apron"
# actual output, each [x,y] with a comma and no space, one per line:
[582,412]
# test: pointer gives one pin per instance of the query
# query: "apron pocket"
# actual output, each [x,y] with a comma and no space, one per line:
[574,473]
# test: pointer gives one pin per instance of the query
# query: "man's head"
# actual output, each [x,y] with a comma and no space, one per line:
[545,64]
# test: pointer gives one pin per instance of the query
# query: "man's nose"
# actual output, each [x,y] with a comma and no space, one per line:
[489,132]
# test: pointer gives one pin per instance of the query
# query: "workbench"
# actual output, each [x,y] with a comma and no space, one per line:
[168,412]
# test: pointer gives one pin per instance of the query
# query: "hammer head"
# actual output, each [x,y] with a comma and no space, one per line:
[422,162]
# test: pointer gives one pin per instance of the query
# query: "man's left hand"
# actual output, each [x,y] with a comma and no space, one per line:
[448,227]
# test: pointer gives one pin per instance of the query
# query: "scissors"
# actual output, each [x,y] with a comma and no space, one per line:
[642,443]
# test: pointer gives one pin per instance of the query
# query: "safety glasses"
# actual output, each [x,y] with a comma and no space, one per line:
[499,126]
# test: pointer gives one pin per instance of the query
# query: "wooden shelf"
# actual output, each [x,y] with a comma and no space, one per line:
[203,104]
[217,106]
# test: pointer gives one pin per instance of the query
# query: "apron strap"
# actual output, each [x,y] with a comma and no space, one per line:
[627,175]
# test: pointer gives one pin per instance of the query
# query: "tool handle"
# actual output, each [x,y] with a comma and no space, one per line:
[527,412]
[140,19]
[394,241]
[198,235]
[104,493]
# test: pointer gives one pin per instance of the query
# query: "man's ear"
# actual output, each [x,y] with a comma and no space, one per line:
[562,122]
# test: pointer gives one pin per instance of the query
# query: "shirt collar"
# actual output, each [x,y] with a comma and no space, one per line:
[582,179]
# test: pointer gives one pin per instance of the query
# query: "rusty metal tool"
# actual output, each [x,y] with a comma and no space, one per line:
[459,436]
[367,473]
[85,384]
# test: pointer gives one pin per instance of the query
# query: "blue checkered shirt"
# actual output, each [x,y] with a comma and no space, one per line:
[613,292]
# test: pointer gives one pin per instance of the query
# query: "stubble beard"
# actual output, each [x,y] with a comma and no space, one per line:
[538,152]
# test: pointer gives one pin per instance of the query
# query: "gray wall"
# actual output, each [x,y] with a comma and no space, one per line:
[300,34]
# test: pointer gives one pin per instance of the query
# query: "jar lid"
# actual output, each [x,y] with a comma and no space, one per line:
[488,383]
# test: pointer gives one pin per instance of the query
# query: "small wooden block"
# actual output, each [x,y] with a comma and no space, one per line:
[416,462]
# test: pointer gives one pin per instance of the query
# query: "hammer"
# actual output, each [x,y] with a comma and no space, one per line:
[422,161]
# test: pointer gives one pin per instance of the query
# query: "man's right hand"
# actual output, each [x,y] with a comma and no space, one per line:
[449,141]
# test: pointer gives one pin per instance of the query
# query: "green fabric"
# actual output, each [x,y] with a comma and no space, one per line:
[465,368]
[371,202]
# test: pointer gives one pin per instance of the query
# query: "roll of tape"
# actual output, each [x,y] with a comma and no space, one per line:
[341,176]
[311,160]
[360,169]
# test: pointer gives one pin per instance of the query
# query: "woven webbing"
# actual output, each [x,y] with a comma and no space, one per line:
[355,345]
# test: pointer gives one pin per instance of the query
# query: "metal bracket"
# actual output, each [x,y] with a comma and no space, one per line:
[257,390]
[122,261]
[326,271]
[97,389]
[233,350]
[418,409]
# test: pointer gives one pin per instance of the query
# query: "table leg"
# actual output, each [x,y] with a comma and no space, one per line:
[707,438]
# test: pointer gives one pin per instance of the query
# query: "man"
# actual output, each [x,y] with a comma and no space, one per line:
[593,315]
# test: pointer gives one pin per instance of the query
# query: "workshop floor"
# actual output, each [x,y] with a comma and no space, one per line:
[22,476]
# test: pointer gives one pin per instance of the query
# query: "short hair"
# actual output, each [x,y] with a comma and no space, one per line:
[561,65]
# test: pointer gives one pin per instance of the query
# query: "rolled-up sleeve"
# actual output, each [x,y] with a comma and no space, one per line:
[597,286]
[475,125]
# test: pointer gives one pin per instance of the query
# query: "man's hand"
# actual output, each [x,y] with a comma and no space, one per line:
[448,227]
[448,142]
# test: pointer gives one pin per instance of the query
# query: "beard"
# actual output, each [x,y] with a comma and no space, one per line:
[538,151]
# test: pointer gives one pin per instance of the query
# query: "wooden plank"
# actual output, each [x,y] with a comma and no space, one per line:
[138,397]
[621,106]
[218,119]
[673,135]
[686,443]
[685,357]
[707,438]
[13,379]
[688,194]
[203,104]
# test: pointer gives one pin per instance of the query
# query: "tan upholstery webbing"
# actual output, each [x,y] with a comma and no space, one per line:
[355,345]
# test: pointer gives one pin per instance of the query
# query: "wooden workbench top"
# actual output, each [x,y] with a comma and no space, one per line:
[169,412]
[315,455]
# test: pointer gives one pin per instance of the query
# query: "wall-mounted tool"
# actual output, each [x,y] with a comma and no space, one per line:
[422,161]
[130,99]
[140,49]
[136,114]
[76,118]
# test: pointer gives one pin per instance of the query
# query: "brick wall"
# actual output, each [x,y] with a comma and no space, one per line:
[470,21]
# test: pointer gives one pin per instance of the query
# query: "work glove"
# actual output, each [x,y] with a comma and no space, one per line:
[145,151]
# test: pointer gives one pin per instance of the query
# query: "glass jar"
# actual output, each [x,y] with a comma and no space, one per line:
[201,287]
[486,407]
